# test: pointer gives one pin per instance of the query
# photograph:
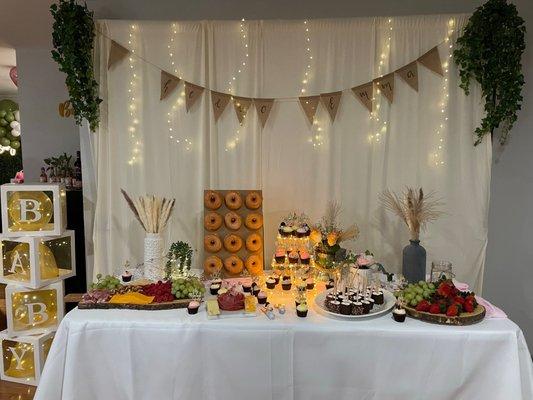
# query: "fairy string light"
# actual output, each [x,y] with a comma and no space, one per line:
[132,101]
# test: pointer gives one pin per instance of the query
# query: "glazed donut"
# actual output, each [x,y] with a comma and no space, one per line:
[212,221]
[232,243]
[212,200]
[232,220]
[212,243]
[254,242]
[253,200]
[254,265]
[233,265]
[212,265]
[253,221]
[233,200]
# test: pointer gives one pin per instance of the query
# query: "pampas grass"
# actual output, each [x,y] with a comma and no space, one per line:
[413,207]
[152,212]
[329,224]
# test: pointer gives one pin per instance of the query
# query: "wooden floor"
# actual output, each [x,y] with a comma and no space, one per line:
[16,391]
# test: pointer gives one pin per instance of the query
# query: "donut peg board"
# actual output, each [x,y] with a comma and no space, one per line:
[233,232]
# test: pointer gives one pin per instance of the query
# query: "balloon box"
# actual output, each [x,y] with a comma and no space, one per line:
[23,357]
[33,209]
[36,261]
[34,311]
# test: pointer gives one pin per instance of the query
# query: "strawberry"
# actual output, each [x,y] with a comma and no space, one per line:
[434,309]
[424,306]
[468,306]
[459,300]
[452,311]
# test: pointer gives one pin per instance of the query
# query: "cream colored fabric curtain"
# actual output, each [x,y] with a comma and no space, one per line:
[145,145]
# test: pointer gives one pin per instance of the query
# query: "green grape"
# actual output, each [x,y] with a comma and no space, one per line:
[421,283]
[431,286]
[409,296]
[413,303]
[419,299]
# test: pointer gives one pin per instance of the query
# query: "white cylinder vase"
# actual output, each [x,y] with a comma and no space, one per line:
[153,256]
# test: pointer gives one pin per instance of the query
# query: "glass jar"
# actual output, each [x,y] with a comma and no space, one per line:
[441,270]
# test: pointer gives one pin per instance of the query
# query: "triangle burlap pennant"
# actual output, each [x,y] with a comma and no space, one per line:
[385,85]
[219,101]
[169,82]
[241,105]
[409,74]
[263,108]
[365,94]
[117,53]
[431,60]
[331,101]
[309,105]
[192,93]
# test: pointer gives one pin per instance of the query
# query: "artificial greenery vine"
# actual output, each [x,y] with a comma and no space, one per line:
[179,256]
[490,51]
[73,36]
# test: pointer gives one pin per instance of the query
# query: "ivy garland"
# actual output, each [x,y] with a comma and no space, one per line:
[490,51]
[73,37]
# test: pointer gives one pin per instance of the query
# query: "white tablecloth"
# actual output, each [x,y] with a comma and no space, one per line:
[162,355]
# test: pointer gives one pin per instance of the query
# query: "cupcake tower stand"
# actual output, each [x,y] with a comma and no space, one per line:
[36,255]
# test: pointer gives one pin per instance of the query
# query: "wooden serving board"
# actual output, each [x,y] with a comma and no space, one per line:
[183,303]
[464,319]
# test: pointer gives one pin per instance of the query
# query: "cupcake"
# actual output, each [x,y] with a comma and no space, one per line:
[358,308]
[293,257]
[307,230]
[262,297]
[280,229]
[217,281]
[271,283]
[276,277]
[300,232]
[399,314]
[305,258]
[286,231]
[378,297]
[256,290]
[310,284]
[126,276]
[192,307]
[279,256]
[247,287]
[346,308]
[301,310]
[286,284]
[214,288]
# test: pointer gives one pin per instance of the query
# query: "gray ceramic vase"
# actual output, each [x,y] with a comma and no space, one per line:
[414,262]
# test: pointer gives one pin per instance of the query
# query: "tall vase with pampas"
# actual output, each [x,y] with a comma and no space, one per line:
[416,210]
[153,214]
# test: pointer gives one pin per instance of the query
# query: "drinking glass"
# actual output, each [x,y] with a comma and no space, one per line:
[441,269]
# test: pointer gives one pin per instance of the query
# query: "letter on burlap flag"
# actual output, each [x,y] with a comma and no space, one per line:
[385,85]
[241,105]
[219,101]
[331,101]
[192,93]
[168,84]
[263,107]
[365,93]
[309,105]
[409,74]
[431,60]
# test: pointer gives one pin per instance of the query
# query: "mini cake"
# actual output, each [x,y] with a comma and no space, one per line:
[305,258]
[286,284]
[300,232]
[270,283]
[334,306]
[247,287]
[262,297]
[301,310]
[214,288]
[371,301]
[310,284]
[280,255]
[357,308]
[126,276]
[366,306]
[193,306]
[399,314]
[346,308]
[378,297]
[293,257]
[330,284]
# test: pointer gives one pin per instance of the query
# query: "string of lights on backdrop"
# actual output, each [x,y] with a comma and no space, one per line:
[366,93]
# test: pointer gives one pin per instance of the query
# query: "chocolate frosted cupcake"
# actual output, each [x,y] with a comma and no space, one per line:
[358,308]
[346,308]
[378,297]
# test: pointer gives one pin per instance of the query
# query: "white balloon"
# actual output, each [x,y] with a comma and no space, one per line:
[17,115]
[15,125]
[15,133]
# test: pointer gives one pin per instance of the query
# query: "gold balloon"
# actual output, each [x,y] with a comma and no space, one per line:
[35,219]
[47,262]
[23,368]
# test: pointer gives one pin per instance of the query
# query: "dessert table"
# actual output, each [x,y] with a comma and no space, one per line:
[129,354]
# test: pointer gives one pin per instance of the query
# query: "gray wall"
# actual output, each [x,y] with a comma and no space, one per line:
[44,132]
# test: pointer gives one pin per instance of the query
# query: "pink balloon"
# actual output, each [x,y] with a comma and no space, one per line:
[13,74]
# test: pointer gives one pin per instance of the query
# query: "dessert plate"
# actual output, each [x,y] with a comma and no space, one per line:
[389,301]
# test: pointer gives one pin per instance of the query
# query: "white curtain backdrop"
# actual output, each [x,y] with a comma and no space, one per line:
[145,145]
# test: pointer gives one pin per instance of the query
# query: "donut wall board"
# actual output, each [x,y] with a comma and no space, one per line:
[233,232]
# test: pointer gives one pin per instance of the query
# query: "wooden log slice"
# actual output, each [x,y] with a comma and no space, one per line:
[182,303]
[463,319]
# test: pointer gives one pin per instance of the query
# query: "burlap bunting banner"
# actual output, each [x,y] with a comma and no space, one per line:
[309,105]
[219,101]
[168,84]
[331,101]
[263,107]
[365,93]
[431,60]
[409,74]
[116,53]
[192,93]
[385,85]
[241,105]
